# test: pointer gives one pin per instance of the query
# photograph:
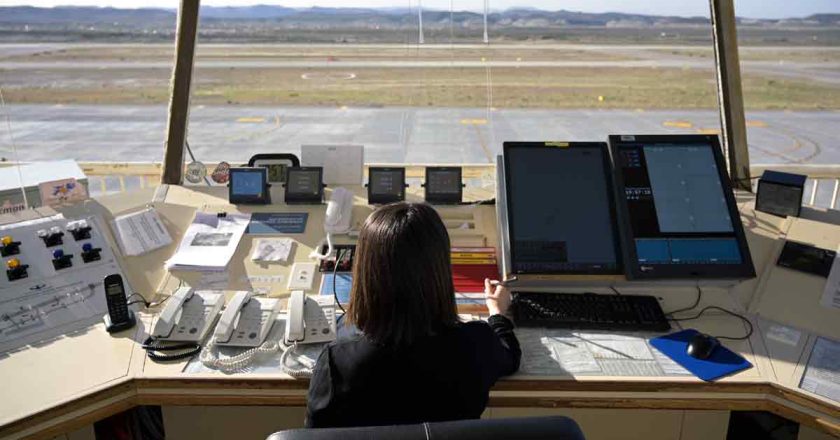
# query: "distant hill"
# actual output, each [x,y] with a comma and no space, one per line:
[335,16]
[271,23]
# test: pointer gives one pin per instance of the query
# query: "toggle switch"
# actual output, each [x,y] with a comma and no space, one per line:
[60,260]
[51,237]
[15,270]
[8,246]
[90,253]
[80,230]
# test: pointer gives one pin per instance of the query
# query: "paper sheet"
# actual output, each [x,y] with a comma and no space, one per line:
[209,242]
[558,352]
[831,293]
[822,375]
[272,250]
[140,232]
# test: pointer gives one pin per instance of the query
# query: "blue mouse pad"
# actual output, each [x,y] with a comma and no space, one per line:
[722,362]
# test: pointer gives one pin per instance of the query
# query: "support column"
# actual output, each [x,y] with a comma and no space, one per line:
[179,98]
[730,95]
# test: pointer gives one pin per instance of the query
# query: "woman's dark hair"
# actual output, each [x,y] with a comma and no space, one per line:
[402,278]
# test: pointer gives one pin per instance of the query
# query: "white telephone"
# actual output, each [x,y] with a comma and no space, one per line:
[337,219]
[339,212]
[188,315]
[311,319]
[246,320]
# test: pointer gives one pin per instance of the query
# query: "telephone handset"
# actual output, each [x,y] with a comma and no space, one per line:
[246,320]
[339,212]
[188,315]
[337,219]
[311,319]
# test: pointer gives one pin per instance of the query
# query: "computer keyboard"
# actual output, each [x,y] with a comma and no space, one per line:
[589,311]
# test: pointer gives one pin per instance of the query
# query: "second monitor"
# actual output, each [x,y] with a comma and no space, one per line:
[561,217]
[678,209]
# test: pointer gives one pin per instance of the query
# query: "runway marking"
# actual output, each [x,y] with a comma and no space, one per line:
[251,120]
[483,144]
[678,124]
[756,124]
[713,131]
[474,121]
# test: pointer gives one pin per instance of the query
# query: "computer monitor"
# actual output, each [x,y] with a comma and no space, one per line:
[443,185]
[677,208]
[386,185]
[248,186]
[304,185]
[561,216]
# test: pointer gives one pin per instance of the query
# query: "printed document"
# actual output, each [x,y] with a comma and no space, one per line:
[140,232]
[210,242]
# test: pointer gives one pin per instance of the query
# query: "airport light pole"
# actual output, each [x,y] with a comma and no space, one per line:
[486,7]
[420,20]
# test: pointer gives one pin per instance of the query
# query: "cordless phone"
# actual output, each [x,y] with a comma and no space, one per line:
[119,317]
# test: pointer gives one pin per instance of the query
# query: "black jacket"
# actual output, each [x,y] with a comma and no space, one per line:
[442,377]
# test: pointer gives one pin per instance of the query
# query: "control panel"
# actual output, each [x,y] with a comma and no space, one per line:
[52,280]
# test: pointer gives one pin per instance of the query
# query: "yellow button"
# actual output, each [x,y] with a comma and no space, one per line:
[6,240]
[13,263]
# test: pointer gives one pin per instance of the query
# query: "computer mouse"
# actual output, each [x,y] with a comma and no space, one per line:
[701,346]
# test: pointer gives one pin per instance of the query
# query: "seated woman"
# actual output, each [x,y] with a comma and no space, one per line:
[412,360]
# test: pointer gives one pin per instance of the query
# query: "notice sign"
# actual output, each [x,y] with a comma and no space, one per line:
[277,223]
[61,192]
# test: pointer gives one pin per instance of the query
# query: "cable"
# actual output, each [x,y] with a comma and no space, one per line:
[615,290]
[237,362]
[14,148]
[731,338]
[156,350]
[691,307]
[319,256]
[335,275]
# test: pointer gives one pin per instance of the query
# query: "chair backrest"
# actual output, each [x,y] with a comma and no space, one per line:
[521,428]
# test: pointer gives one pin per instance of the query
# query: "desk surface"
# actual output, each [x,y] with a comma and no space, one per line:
[73,380]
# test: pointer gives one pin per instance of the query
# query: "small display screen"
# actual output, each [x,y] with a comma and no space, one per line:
[387,182]
[247,183]
[304,182]
[113,290]
[444,182]
[779,199]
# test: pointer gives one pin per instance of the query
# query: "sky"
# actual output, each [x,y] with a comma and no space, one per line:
[744,8]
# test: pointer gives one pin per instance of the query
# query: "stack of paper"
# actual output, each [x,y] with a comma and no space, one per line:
[141,232]
[210,242]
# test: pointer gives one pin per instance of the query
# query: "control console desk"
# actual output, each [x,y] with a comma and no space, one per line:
[65,383]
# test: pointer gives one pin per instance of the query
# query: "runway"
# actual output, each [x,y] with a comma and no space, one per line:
[390,135]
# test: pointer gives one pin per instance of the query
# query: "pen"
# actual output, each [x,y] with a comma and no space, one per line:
[505,283]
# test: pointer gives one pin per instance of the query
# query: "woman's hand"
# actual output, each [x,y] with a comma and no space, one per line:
[497,297]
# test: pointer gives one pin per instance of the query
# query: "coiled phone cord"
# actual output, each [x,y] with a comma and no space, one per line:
[238,362]
[157,351]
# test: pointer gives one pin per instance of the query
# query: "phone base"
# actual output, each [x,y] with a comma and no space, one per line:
[112,327]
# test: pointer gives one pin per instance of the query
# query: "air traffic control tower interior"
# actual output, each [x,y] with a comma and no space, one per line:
[658,289]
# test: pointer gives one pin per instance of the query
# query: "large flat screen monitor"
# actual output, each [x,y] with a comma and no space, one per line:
[677,208]
[561,216]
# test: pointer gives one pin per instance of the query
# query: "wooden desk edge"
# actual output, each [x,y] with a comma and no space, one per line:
[83,411]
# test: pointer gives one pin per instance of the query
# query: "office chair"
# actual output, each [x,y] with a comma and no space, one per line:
[520,428]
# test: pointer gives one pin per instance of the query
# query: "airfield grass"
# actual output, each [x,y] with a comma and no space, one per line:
[500,87]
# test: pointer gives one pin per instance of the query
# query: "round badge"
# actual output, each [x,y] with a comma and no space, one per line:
[221,174]
[196,172]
